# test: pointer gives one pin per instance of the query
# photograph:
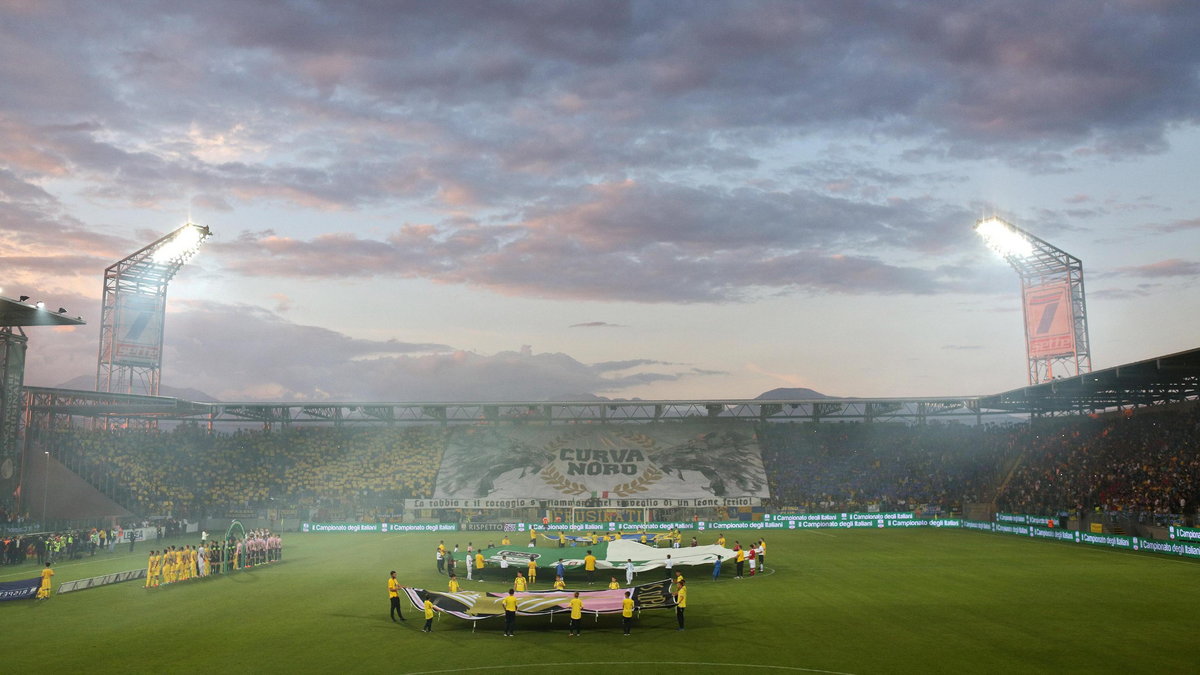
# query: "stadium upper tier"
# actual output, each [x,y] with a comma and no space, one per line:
[1146,463]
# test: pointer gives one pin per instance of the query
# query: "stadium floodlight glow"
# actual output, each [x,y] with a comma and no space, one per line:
[1056,333]
[40,305]
[1003,238]
[182,245]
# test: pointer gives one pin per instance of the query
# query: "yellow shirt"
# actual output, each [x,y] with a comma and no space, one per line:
[505,541]
[559,585]
[454,587]
[627,607]
[478,561]
[741,555]
[589,563]
[510,603]
[519,584]
[428,609]
[393,588]
[532,568]
[613,585]
[576,608]
[682,596]
[720,541]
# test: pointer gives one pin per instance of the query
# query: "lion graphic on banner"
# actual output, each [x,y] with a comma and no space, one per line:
[497,454]
[720,456]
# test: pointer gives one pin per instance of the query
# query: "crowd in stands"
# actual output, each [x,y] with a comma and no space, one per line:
[1145,464]
[892,467]
[189,472]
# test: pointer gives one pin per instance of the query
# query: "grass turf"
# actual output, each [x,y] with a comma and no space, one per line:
[890,601]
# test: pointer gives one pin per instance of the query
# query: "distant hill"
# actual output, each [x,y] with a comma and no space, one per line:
[88,383]
[789,394]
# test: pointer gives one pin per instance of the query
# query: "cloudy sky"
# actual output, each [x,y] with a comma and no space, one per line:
[492,200]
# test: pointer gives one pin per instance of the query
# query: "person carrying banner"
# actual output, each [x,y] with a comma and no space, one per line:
[44,590]
[394,596]
[589,565]
[680,602]
[577,614]
[717,568]
[428,616]
[519,582]
[751,555]
[668,564]
[479,563]
[510,613]
[533,536]
[440,556]
[560,569]
[627,613]
[628,571]
[739,562]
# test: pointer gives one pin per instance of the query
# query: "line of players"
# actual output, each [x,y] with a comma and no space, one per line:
[175,564]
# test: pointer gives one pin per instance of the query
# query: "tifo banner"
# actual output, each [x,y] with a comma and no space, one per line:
[93,582]
[475,605]
[1049,320]
[689,460]
[138,329]
[20,590]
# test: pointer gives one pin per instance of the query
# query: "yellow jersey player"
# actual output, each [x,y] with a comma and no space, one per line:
[454,587]
[576,615]
[428,616]
[559,584]
[519,582]
[479,563]
[532,571]
[589,565]
[613,585]
[627,613]
[680,602]
[394,597]
[510,614]
[44,590]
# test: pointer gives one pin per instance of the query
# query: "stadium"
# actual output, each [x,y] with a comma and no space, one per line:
[902,532]
[289,431]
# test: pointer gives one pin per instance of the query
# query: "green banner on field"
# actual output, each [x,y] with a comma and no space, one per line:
[1184,533]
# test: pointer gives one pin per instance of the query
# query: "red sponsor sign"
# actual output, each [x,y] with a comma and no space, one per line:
[1049,320]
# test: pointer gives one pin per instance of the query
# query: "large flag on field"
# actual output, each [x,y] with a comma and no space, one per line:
[475,605]
[611,555]
[687,460]
[19,590]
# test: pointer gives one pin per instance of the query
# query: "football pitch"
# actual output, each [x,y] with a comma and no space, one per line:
[832,601]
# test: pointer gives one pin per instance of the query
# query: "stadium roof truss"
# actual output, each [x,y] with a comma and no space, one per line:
[1159,381]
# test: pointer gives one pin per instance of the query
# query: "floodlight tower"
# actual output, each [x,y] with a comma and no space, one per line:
[1056,330]
[134,308]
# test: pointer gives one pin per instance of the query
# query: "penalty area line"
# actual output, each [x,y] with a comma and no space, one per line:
[797,669]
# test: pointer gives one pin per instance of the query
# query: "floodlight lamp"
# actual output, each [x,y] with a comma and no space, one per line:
[1003,238]
[40,305]
[182,246]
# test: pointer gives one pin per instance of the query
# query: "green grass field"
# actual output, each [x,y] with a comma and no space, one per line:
[874,601]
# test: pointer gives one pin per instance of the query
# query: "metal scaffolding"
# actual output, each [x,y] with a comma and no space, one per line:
[133,311]
[1056,345]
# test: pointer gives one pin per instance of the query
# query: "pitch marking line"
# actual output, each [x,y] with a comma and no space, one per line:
[631,663]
